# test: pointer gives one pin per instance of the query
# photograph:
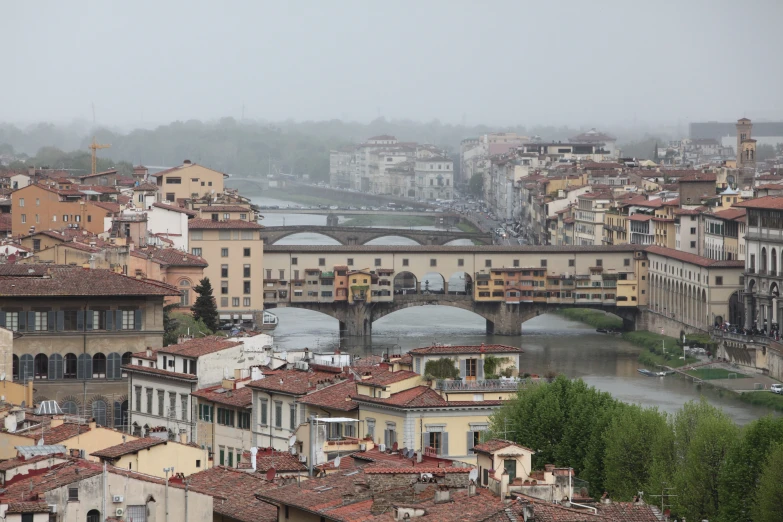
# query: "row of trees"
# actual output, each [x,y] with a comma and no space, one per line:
[705,465]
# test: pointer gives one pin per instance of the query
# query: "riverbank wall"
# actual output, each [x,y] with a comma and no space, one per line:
[658,323]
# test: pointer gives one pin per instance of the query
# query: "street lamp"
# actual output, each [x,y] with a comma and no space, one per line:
[167,471]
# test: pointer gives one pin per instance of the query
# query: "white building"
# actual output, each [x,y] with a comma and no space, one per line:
[171,222]
[161,381]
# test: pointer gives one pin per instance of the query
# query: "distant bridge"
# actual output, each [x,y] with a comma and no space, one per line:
[363,235]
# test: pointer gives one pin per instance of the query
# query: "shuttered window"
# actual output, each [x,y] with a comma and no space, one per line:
[56,366]
[26,367]
[84,366]
[114,366]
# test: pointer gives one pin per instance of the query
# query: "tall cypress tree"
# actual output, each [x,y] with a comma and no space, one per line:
[205,308]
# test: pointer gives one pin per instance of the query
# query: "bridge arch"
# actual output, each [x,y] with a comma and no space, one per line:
[334,238]
[460,283]
[405,283]
[433,283]
[377,240]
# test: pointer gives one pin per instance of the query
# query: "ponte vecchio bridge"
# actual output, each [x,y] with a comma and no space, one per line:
[506,285]
[362,235]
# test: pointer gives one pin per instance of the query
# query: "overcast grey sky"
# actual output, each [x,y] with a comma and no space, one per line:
[494,61]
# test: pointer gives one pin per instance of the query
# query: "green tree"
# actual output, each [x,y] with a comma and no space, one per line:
[769,495]
[204,308]
[631,434]
[744,464]
[169,325]
[189,325]
[476,185]
[443,368]
[696,479]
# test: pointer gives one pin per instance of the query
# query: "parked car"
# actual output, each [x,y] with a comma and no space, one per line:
[776,388]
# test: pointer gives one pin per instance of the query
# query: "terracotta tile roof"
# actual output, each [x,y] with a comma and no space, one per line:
[731,214]
[693,258]
[488,348]
[241,398]
[266,459]
[689,211]
[175,208]
[493,445]
[19,461]
[57,434]
[126,448]
[200,346]
[23,487]
[294,382]
[335,397]
[143,355]
[145,186]
[27,507]
[173,257]
[640,217]
[159,372]
[77,281]
[767,202]
[381,376]
[235,493]
[109,206]
[422,397]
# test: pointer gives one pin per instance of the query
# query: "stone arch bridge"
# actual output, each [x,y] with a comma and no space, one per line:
[362,235]
[501,318]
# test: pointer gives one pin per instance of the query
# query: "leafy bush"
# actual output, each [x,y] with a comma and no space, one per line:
[444,368]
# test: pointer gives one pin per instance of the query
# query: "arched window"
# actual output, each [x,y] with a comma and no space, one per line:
[41,365]
[126,357]
[55,366]
[99,366]
[84,367]
[69,366]
[120,414]
[16,367]
[113,370]
[70,408]
[26,365]
[93,515]
[99,412]
[184,289]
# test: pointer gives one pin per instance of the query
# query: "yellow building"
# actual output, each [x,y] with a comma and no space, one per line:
[188,181]
[83,437]
[234,252]
[150,455]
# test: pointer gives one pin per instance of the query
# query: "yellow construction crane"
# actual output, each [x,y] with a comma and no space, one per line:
[94,146]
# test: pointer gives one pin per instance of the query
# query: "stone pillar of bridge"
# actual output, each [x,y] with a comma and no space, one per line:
[509,318]
[355,321]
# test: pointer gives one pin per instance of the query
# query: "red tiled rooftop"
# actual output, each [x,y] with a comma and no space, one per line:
[493,445]
[77,281]
[381,376]
[336,397]
[235,494]
[767,203]
[161,373]
[731,213]
[281,461]
[241,398]
[200,346]
[422,397]
[175,208]
[693,258]
[294,382]
[126,448]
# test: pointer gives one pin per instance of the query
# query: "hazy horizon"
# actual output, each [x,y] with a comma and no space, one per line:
[499,64]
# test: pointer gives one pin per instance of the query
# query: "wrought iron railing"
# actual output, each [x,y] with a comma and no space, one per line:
[482,385]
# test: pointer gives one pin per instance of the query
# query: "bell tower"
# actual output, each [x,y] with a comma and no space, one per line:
[746,145]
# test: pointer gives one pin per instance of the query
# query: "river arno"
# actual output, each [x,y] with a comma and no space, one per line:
[550,342]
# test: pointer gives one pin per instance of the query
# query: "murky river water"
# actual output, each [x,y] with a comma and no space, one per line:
[550,342]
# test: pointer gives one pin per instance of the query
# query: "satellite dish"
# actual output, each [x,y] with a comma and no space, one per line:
[270,474]
[10,423]
[337,462]
[292,441]
[411,453]
[40,442]
[473,475]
